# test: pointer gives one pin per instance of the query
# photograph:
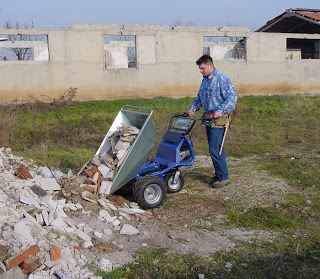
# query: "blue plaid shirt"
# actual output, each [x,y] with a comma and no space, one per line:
[216,93]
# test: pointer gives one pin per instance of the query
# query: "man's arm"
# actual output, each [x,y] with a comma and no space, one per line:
[196,105]
[230,96]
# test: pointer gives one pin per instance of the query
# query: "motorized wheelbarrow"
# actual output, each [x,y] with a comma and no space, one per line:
[151,180]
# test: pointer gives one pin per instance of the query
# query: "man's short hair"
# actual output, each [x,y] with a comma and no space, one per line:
[204,59]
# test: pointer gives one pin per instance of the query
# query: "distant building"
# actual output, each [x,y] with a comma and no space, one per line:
[303,21]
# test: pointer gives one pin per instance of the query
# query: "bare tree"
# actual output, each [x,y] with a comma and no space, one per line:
[189,22]
[21,53]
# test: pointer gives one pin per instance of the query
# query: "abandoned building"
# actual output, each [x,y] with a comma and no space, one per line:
[106,61]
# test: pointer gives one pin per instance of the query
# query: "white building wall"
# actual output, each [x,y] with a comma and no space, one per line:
[166,64]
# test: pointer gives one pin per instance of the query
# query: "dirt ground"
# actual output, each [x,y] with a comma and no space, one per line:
[179,223]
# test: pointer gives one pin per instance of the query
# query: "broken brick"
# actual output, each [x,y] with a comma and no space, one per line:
[29,265]
[23,173]
[23,256]
[55,252]
[90,188]
[78,248]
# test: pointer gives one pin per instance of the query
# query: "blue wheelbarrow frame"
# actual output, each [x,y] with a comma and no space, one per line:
[161,174]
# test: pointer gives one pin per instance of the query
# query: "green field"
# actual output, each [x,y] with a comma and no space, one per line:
[64,134]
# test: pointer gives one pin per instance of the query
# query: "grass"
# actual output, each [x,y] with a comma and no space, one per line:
[285,130]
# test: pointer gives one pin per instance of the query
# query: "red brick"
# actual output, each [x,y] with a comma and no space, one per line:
[23,256]
[29,265]
[23,173]
[89,173]
[79,248]
[55,252]
[90,188]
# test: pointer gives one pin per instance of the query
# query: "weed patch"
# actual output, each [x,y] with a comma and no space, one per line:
[262,218]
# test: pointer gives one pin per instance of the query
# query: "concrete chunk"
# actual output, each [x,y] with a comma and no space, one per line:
[29,201]
[105,187]
[82,235]
[128,230]
[49,184]
[103,170]
[22,233]
[15,273]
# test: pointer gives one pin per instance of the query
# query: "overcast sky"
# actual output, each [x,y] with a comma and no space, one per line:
[61,14]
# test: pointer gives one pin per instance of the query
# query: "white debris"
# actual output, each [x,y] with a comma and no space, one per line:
[41,217]
[23,234]
[97,234]
[82,235]
[105,265]
[27,200]
[128,230]
[45,172]
[105,187]
[49,184]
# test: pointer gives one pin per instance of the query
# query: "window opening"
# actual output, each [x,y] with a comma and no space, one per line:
[303,49]
[224,48]
[21,47]
[120,52]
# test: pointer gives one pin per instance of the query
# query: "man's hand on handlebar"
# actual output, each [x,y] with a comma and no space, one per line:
[191,112]
[217,114]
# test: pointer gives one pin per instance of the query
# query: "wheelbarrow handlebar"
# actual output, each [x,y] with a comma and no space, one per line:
[184,115]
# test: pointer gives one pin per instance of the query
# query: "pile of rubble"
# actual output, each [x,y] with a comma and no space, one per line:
[50,220]
[104,166]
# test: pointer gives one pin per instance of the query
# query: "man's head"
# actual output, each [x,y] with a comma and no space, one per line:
[205,64]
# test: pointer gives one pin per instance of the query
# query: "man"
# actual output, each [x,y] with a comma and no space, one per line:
[218,96]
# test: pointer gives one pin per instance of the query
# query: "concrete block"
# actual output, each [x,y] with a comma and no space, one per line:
[39,218]
[46,199]
[82,235]
[86,244]
[14,273]
[95,160]
[107,231]
[22,233]
[105,265]
[125,215]
[132,210]
[105,187]
[59,224]
[121,153]
[128,230]
[111,219]
[116,222]
[104,213]
[96,176]
[45,172]
[111,206]
[45,216]
[97,234]
[109,175]
[107,159]
[49,184]
[103,170]
[29,201]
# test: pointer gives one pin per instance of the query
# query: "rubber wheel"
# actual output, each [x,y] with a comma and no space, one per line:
[174,187]
[149,192]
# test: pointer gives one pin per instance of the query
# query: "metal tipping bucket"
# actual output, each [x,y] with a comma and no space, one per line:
[140,148]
